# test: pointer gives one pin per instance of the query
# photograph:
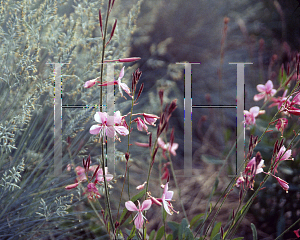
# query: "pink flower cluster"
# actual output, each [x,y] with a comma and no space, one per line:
[83,176]
[255,166]
[288,106]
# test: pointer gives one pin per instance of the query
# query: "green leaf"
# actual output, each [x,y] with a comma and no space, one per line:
[188,234]
[196,218]
[174,227]
[211,160]
[217,237]
[170,237]
[152,234]
[125,214]
[215,230]
[282,79]
[132,233]
[254,232]
[182,228]
[160,233]
[239,238]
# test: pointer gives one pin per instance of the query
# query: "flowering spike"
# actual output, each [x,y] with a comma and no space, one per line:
[150,140]
[153,158]
[88,162]
[132,59]
[100,21]
[161,96]
[95,172]
[127,156]
[83,163]
[222,232]
[283,184]
[112,32]
[139,93]
[241,195]
[172,107]
[172,137]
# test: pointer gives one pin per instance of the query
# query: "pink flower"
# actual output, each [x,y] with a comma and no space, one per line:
[297,233]
[141,124]
[240,181]
[252,165]
[81,176]
[92,191]
[266,91]
[107,126]
[165,170]
[167,147]
[281,156]
[252,114]
[150,119]
[90,83]
[122,86]
[139,217]
[165,200]
[283,184]
[71,186]
[281,124]
[289,107]
[139,187]
[100,177]
[280,100]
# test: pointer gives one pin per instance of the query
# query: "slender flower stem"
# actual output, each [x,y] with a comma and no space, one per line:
[288,229]
[102,139]
[130,117]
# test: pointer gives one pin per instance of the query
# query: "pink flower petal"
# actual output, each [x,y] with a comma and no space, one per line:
[121,75]
[138,222]
[130,206]
[110,132]
[71,186]
[258,97]
[166,207]
[161,143]
[146,205]
[254,111]
[121,130]
[100,117]
[95,129]
[269,86]
[125,88]
[117,117]
[261,88]
[169,195]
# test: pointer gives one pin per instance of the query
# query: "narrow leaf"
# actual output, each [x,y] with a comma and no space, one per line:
[215,230]
[195,219]
[254,232]
[152,234]
[160,233]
